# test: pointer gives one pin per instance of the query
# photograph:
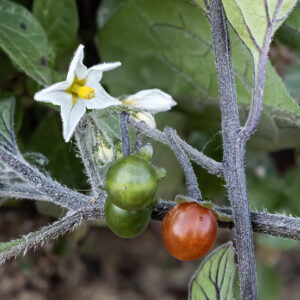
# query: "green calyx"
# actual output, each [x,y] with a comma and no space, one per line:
[146,152]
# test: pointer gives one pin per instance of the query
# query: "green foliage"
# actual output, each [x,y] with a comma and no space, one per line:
[215,277]
[272,242]
[172,184]
[6,122]
[23,39]
[267,277]
[59,20]
[50,209]
[288,34]
[293,21]
[250,21]
[164,44]
[291,81]
[63,163]
[106,133]
[110,8]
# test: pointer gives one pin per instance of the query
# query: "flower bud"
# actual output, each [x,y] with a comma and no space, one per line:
[146,117]
[105,154]
[153,100]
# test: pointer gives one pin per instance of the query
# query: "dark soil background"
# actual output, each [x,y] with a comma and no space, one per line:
[92,263]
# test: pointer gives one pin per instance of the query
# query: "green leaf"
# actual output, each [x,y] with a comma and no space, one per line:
[7,133]
[291,80]
[201,4]
[293,21]
[24,41]
[107,122]
[110,8]
[215,277]
[269,284]
[50,209]
[167,44]
[289,32]
[105,138]
[270,241]
[250,20]
[60,21]
[63,163]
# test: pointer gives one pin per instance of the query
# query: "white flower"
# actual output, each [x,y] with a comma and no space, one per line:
[146,117]
[81,90]
[153,100]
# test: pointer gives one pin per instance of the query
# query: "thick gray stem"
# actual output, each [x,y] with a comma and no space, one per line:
[234,153]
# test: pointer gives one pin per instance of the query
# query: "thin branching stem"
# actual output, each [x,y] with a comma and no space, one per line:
[58,194]
[259,78]
[81,136]
[21,191]
[193,190]
[124,133]
[212,166]
[66,224]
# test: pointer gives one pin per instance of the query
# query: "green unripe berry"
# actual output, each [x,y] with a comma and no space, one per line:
[131,182]
[126,223]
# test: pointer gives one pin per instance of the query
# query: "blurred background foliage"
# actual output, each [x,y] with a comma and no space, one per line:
[164,44]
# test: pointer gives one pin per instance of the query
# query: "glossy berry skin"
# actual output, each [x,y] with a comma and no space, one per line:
[126,223]
[131,182]
[189,230]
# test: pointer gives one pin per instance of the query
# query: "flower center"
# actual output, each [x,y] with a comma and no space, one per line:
[79,89]
[84,92]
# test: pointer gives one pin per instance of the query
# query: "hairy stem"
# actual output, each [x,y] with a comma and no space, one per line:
[138,144]
[21,191]
[69,223]
[234,153]
[124,133]
[262,222]
[259,78]
[81,135]
[58,194]
[193,190]
[212,166]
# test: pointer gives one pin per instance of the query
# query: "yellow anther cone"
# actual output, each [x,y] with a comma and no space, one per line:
[86,92]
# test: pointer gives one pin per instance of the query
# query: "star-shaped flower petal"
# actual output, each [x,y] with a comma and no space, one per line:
[81,90]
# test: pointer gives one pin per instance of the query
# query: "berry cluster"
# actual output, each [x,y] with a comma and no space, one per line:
[188,229]
[131,184]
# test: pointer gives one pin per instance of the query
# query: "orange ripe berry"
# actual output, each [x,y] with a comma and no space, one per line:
[189,230]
